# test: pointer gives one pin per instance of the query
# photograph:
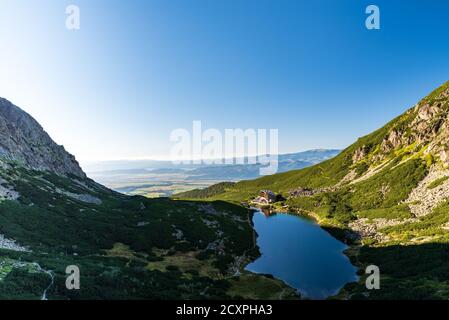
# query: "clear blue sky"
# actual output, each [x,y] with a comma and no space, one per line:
[138,69]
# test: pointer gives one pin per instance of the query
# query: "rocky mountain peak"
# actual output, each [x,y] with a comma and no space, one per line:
[23,140]
[422,131]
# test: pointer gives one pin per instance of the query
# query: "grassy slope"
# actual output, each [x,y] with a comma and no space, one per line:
[412,261]
[62,231]
[325,174]
[330,172]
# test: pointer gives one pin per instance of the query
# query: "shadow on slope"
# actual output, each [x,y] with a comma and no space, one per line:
[408,272]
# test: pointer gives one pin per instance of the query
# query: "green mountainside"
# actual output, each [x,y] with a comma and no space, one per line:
[52,216]
[387,195]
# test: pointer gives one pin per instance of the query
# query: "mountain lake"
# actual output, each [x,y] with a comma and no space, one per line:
[303,255]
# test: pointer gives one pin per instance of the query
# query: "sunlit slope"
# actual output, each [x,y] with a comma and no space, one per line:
[387,194]
[418,136]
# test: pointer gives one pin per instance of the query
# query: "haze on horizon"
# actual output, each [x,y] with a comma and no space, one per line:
[134,72]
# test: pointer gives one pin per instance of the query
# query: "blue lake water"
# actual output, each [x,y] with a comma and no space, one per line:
[300,253]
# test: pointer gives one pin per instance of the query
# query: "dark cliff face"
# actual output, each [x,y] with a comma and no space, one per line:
[22,139]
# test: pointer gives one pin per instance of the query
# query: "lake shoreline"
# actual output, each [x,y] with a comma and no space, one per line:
[353,243]
[306,220]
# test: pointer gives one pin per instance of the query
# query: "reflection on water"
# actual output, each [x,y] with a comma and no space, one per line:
[300,253]
[268,212]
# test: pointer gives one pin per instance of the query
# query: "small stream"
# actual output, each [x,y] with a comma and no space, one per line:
[52,278]
[44,295]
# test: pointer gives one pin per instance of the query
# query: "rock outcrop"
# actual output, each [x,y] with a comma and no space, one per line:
[422,131]
[10,244]
[423,199]
[359,154]
[23,140]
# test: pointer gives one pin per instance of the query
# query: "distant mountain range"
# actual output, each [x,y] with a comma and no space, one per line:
[231,172]
[287,162]
[163,178]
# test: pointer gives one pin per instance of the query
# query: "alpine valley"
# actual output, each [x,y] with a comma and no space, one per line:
[386,196]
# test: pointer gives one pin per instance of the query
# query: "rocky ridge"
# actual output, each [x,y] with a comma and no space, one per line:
[23,140]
